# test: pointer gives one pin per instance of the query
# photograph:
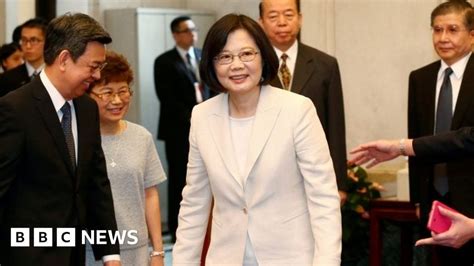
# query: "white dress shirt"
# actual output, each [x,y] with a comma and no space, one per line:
[58,102]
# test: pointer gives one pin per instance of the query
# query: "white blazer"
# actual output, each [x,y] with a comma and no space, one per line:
[286,201]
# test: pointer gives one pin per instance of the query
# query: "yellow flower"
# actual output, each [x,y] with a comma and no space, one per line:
[352,176]
[360,209]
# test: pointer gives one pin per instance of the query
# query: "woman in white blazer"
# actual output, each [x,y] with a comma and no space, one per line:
[261,154]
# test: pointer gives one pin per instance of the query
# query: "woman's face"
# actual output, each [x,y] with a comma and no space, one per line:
[13,60]
[239,65]
[113,100]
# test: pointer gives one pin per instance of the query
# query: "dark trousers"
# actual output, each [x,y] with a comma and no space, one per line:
[451,256]
[177,150]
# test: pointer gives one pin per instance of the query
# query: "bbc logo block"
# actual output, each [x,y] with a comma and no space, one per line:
[20,237]
[66,237]
[43,237]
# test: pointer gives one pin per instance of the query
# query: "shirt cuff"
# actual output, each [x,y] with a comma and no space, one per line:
[110,257]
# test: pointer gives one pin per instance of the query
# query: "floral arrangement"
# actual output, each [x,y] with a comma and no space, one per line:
[355,214]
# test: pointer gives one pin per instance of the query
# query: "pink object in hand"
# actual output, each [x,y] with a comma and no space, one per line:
[437,222]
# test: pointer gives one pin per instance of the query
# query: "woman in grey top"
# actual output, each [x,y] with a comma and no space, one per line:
[133,166]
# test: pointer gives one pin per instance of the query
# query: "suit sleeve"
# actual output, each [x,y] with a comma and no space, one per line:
[101,214]
[445,147]
[11,143]
[413,132]
[320,185]
[195,207]
[336,129]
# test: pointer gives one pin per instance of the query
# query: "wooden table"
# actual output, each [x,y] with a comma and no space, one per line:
[392,210]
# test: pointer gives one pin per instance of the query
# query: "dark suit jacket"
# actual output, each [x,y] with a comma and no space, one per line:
[175,89]
[13,79]
[38,187]
[421,113]
[446,147]
[317,77]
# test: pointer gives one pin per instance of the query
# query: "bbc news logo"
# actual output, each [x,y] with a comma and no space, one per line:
[66,237]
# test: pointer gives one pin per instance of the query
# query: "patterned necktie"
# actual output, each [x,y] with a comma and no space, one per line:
[444,116]
[67,129]
[284,72]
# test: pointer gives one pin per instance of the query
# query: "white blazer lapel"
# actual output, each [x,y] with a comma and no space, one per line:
[265,118]
[220,131]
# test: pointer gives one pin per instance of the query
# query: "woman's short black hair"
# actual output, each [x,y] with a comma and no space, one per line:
[216,39]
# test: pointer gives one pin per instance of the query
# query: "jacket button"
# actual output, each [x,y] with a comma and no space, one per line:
[244,210]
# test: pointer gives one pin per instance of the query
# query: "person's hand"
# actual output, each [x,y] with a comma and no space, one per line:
[461,231]
[375,152]
[157,261]
[342,196]
[112,263]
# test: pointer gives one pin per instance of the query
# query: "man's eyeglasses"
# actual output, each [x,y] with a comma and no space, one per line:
[226,58]
[108,96]
[188,30]
[97,67]
[32,41]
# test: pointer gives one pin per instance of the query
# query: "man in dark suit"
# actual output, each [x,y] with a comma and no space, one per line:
[441,98]
[32,44]
[309,72]
[52,168]
[179,89]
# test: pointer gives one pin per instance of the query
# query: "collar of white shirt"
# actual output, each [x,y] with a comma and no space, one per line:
[183,53]
[32,70]
[458,67]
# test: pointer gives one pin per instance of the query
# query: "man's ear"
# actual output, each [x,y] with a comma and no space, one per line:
[63,58]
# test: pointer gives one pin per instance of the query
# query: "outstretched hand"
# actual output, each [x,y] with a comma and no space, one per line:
[461,231]
[375,152]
